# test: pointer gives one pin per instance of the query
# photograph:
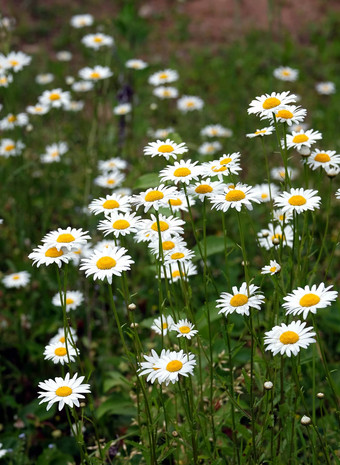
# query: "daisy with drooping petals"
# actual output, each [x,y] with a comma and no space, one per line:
[325,88]
[95,74]
[323,158]
[206,188]
[183,171]
[166,149]
[267,104]
[290,114]
[179,202]
[165,92]
[265,192]
[38,109]
[110,180]
[285,73]
[151,365]
[73,300]
[298,200]
[308,300]
[112,164]
[65,391]
[112,203]
[189,103]
[55,98]
[48,255]
[235,197]
[279,173]
[122,109]
[275,236]
[168,226]
[19,279]
[120,224]
[172,364]
[79,21]
[241,300]
[69,238]
[11,148]
[185,329]
[154,197]
[98,40]
[60,336]
[216,130]
[163,77]
[135,63]
[209,148]
[174,273]
[261,132]
[271,269]
[103,265]
[163,324]
[301,139]
[59,354]
[288,339]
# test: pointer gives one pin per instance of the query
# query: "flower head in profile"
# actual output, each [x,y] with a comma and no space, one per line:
[38,109]
[97,41]
[45,78]
[261,132]
[96,73]
[298,200]
[122,109]
[267,104]
[80,21]
[175,273]
[110,180]
[290,114]
[13,120]
[179,202]
[163,324]
[325,159]
[227,164]
[135,63]
[166,149]
[64,391]
[240,300]
[48,255]
[216,130]
[235,196]
[266,192]
[325,88]
[163,77]
[151,365]
[209,148]
[16,280]
[289,339]
[279,173]
[165,92]
[285,73]
[301,139]
[82,86]
[60,336]
[272,268]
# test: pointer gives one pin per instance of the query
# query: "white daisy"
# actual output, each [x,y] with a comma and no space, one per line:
[179,202]
[98,40]
[3,452]
[11,121]
[73,300]
[268,103]
[74,105]
[241,300]
[19,279]
[216,130]
[285,73]
[60,336]
[206,188]
[169,226]
[235,197]
[112,164]
[167,245]
[185,329]
[16,61]
[110,180]
[64,55]
[82,252]
[166,149]
[261,132]
[228,163]
[189,103]
[38,109]
[272,268]
[288,339]
[184,171]
[154,197]
[79,21]
[298,200]
[135,63]
[95,74]
[265,191]
[69,238]
[103,265]
[82,86]
[174,273]
[209,148]
[122,109]
[151,365]
[179,254]
[162,133]
[282,217]
[163,324]
[279,173]
[302,139]
[55,98]
[45,78]
[105,244]
[332,171]
[325,88]
[58,353]
[290,114]
[120,224]
[163,77]
[324,159]
[110,204]
[54,152]
[165,92]
[275,236]
[308,300]
[172,364]
[47,255]
[65,391]
[10,148]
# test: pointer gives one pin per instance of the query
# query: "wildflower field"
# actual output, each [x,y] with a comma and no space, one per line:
[169,236]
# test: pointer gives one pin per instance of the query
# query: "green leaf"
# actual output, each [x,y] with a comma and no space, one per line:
[116,405]
[147,180]
[114,379]
[215,244]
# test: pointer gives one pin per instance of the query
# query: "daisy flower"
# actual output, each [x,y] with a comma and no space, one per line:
[5,80]
[288,339]
[185,329]
[79,21]
[120,224]
[228,163]
[63,390]
[54,151]
[184,171]
[206,188]
[279,173]
[155,197]
[165,92]
[298,200]
[19,279]
[241,300]
[69,238]
[216,130]
[271,269]
[323,158]
[162,133]
[60,336]
[235,197]
[95,74]
[290,114]
[82,252]
[112,203]
[45,78]
[73,300]
[265,191]
[122,109]
[163,324]
[274,236]
[55,98]
[179,254]
[112,164]
[174,274]
[98,40]
[303,138]
[282,217]
[16,61]
[151,365]
[168,225]
[3,452]
[172,364]
[104,245]
[11,121]
[284,73]
[261,132]
[163,77]
[305,300]
[189,103]
[209,148]
[110,180]
[325,88]
[82,86]
[48,255]
[75,105]
[332,171]
[135,63]
[168,246]
[103,265]
[166,149]
[337,194]
[58,353]
[63,55]
[179,202]
[266,104]
[37,109]
[11,148]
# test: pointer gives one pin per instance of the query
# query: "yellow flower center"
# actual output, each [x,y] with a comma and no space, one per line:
[264,196]
[262,131]
[95,75]
[175,202]
[173,366]
[281,217]
[184,329]
[297,200]
[55,154]
[322,157]
[168,245]
[16,277]
[176,274]
[63,391]
[62,339]
[219,169]
[97,39]
[53,252]
[166,93]
[190,104]
[162,225]
[238,300]
[203,189]
[163,76]
[60,351]
[164,325]
[3,80]
[110,181]
[285,73]
[152,196]
[54,96]
[177,255]
[65,238]
[165,148]
[270,103]
[235,195]
[277,236]
[14,62]
[182,172]
[106,263]
[120,224]
[12,118]
[309,300]
[69,301]
[110,204]
[225,161]
[272,269]
[38,109]
[289,337]
[299,138]
[9,147]
[285,114]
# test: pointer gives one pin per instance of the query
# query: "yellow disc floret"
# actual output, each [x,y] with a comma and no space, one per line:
[235,195]
[270,103]
[238,300]
[63,391]
[308,300]
[106,263]
[174,365]
[297,200]
[289,337]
